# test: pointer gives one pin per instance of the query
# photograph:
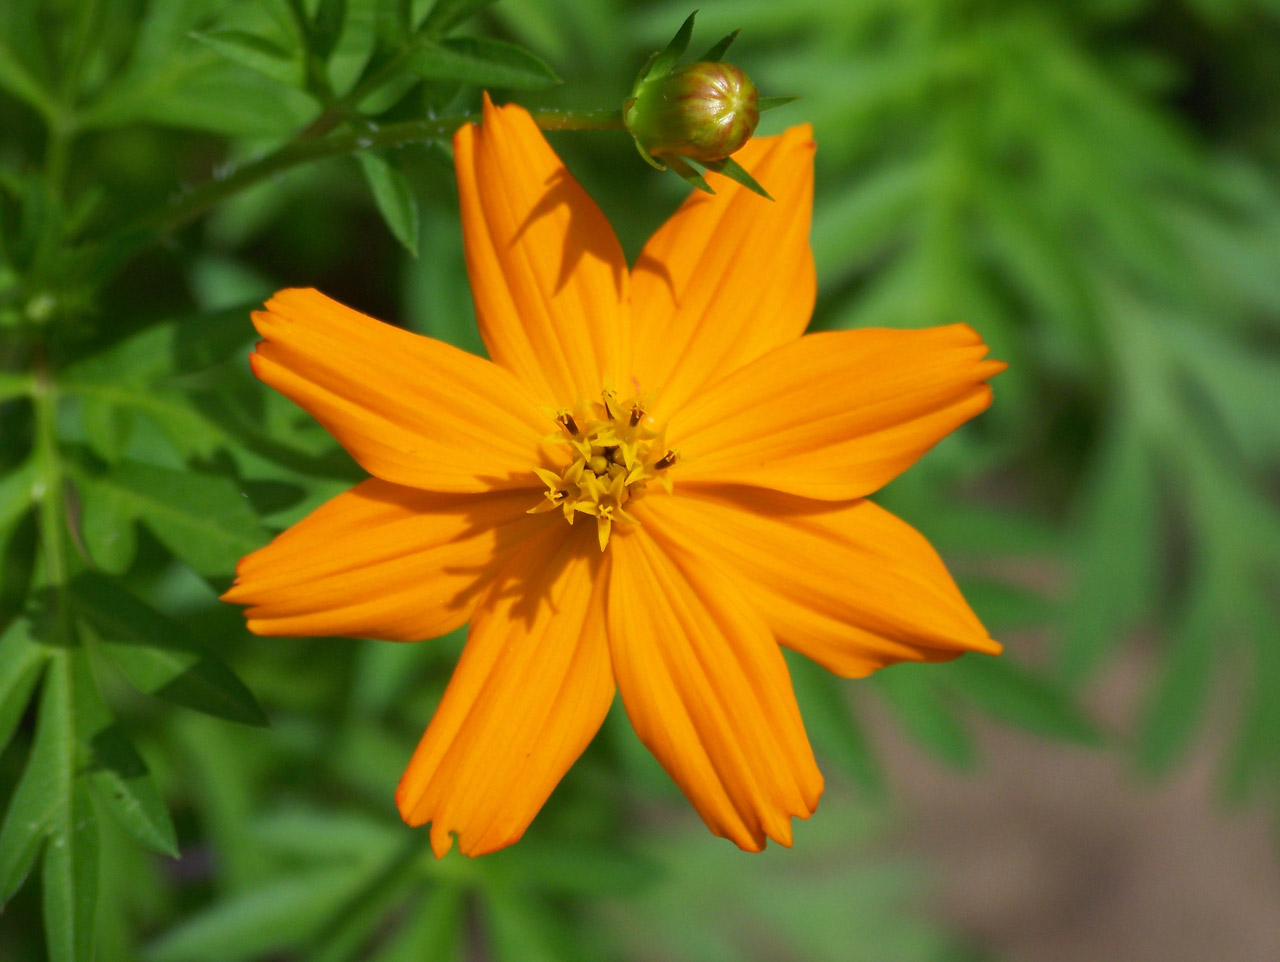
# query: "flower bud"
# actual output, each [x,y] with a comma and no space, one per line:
[703,111]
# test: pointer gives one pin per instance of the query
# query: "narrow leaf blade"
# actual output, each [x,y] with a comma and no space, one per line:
[718,51]
[21,661]
[673,51]
[394,196]
[728,167]
[120,778]
[70,877]
[44,791]
[772,103]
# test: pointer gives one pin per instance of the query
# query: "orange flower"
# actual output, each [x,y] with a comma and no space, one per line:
[687,372]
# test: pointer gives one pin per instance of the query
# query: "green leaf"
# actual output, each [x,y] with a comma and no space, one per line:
[258,922]
[519,929]
[157,656]
[772,103]
[577,869]
[107,426]
[138,374]
[203,519]
[1120,524]
[21,83]
[14,384]
[686,171]
[913,693]
[835,730]
[394,196]
[16,494]
[1012,694]
[447,14]
[391,25]
[107,526]
[43,794]
[70,881]
[673,51]
[256,53]
[717,52]
[357,922]
[21,661]
[326,27]
[200,89]
[482,62]
[1180,695]
[284,14]
[433,931]
[18,566]
[728,167]
[120,778]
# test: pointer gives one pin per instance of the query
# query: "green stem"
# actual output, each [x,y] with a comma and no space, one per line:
[604,118]
[307,149]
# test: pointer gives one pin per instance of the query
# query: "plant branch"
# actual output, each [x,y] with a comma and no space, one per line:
[306,149]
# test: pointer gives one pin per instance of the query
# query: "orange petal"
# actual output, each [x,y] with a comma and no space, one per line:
[847,584]
[530,691]
[547,273]
[834,415]
[708,692]
[384,561]
[729,277]
[412,410]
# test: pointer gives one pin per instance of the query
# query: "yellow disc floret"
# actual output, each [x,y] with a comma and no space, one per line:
[615,449]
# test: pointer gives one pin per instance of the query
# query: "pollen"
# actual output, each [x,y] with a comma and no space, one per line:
[613,450]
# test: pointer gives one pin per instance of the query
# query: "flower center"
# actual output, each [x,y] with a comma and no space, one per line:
[615,449]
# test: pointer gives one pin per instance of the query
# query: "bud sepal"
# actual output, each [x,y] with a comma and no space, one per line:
[695,114]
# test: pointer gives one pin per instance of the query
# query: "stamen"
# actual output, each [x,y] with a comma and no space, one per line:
[566,421]
[609,462]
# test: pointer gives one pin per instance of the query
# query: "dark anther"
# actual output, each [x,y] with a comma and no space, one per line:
[666,461]
[567,422]
[636,414]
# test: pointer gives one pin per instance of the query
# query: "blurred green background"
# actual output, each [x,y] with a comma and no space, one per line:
[1093,185]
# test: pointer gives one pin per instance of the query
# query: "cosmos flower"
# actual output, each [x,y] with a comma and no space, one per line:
[654,482]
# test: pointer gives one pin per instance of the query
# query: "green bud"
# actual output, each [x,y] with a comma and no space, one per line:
[702,111]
